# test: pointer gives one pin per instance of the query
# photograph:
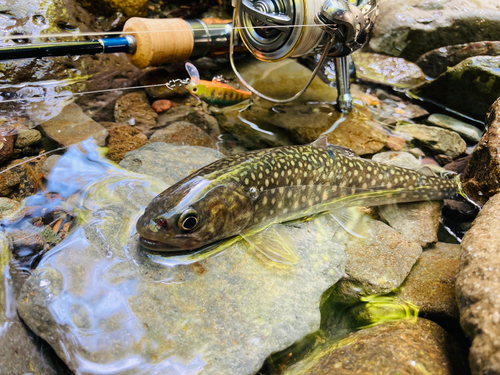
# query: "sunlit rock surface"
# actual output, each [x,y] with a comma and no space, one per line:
[108,306]
[409,28]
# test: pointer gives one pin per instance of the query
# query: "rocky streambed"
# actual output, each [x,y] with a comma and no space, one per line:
[417,294]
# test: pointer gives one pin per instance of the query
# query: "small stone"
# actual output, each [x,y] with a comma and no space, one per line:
[123,139]
[183,133]
[19,177]
[468,132]
[418,221]
[478,288]
[387,70]
[145,160]
[26,245]
[161,76]
[27,138]
[436,139]
[399,159]
[73,126]
[205,122]
[401,347]
[482,174]
[443,159]
[49,163]
[134,109]
[390,257]
[415,151]
[10,210]
[160,106]
[396,143]
[7,139]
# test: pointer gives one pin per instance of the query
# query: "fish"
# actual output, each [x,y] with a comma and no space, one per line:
[246,194]
[214,92]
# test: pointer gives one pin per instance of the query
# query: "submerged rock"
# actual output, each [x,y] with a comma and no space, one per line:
[469,88]
[183,133]
[466,131]
[399,159]
[436,139]
[135,8]
[478,288]
[437,61]
[192,115]
[387,70]
[7,139]
[402,347]
[123,139]
[431,282]
[27,138]
[73,126]
[107,305]
[410,28]
[482,174]
[134,109]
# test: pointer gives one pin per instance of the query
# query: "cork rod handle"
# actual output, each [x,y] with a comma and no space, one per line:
[159,41]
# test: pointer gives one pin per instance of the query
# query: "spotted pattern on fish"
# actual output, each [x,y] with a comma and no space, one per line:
[274,185]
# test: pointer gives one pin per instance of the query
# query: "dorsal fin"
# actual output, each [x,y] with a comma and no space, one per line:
[321,142]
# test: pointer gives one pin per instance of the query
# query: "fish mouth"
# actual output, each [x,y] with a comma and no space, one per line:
[156,245]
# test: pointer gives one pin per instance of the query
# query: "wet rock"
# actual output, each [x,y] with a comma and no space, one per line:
[134,109]
[145,160]
[409,28]
[390,257]
[123,139]
[400,159]
[183,133]
[7,139]
[27,138]
[401,347]
[437,61]
[160,106]
[26,246]
[458,166]
[468,132]
[19,177]
[197,117]
[49,163]
[478,288]
[396,143]
[158,316]
[72,126]
[10,210]
[431,282]
[436,139]
[479,77]
[387,70]
[161,76]
[67,74]
[482,173]
[418,222]
[135,8]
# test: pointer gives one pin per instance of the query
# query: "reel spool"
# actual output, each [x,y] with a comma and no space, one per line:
[275,29]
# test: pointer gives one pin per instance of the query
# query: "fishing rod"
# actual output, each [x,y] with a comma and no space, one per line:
[270,30]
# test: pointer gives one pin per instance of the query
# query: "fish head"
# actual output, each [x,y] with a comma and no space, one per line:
[193,215]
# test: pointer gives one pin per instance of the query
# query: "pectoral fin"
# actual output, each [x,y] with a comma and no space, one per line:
[350,219]
[273,243]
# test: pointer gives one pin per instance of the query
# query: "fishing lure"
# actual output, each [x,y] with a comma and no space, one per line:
[214,92]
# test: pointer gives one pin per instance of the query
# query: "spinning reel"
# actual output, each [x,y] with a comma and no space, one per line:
[275,29]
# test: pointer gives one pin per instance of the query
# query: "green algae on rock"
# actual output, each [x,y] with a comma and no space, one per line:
[103,303]
[469,88]
[387,70]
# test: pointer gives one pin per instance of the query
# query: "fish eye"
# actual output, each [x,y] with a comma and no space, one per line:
[189,220]
[195,89]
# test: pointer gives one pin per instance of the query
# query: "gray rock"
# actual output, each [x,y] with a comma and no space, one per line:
[387,70]
[145,160]
[10,209]
[376,264]
[99,299]
[478,76]
[418,222]
[468,132]
[134,109]
[183,133]
[73,126]
[27,138]
[186,113]
[410,28]
[431,283]
[49,163]
[403,347]
[437,61]
[478,288]
[398,158]
[436,139]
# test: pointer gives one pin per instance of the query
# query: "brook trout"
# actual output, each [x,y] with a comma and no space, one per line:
[246,193]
